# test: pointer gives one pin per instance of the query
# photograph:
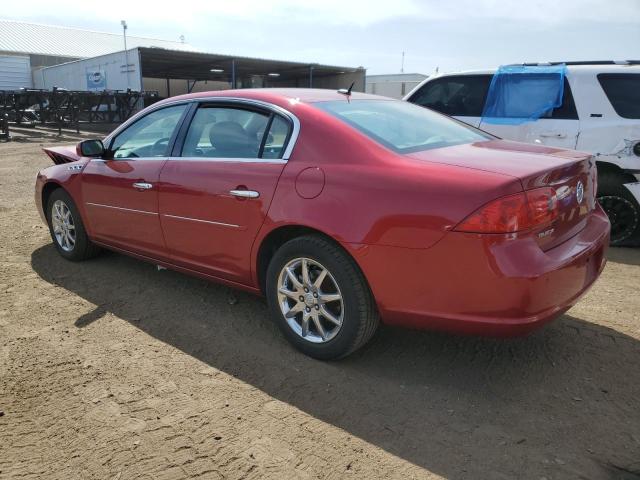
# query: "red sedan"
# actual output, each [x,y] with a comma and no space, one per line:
[342,209]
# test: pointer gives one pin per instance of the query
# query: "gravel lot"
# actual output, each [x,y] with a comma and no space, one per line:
[111,369]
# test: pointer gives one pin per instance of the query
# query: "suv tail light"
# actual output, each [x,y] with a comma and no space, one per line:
[513,213]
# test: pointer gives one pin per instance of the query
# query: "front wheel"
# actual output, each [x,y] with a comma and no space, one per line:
[67,230]
[319,298]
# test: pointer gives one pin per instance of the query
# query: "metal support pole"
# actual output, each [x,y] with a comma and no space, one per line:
[4,126]
[310,76]
[55,102]
[168,88]
[233,73]
[126,52]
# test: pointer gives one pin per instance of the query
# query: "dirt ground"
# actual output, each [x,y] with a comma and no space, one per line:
[111,369]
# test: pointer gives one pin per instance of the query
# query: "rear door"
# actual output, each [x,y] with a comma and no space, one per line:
[460,96]
[217,187]
[120,191]
[558,128]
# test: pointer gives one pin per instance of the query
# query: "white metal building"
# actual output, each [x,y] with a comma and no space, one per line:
[85,60]
[395,85]
[25,47]
[173,72]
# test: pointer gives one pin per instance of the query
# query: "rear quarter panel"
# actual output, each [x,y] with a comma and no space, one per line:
[372,196]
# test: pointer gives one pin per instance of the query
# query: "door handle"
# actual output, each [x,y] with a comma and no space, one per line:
[142,186]
[244,193]
[553,134]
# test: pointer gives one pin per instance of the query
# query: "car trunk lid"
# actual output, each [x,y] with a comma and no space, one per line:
[570,173]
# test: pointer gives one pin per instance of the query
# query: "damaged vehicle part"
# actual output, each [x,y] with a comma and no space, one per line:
[597,110]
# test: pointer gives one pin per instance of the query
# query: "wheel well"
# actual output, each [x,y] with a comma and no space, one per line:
[613,169]
[47,190]
[274,240]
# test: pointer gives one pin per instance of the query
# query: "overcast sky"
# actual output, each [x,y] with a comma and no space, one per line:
[453,35]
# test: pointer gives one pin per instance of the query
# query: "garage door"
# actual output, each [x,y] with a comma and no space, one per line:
[15,72]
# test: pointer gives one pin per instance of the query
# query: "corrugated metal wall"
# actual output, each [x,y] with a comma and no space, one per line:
[15,72]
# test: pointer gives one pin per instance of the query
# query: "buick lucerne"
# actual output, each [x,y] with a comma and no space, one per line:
[342,209]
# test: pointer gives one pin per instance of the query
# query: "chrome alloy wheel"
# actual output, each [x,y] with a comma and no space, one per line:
[63,227]
[310,300]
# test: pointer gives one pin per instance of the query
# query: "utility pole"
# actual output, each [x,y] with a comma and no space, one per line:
[402,66]
[126,52]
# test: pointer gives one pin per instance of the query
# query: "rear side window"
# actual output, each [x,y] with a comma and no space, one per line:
[219,131]
[460,95]
[225,132]
[566,111]
[623,91]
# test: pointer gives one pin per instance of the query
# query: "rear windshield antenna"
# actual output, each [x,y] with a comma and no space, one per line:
[345,91]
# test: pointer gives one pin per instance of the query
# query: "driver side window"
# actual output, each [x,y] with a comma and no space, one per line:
[149,136]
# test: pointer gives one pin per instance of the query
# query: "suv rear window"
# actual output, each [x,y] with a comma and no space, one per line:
[623,91]
[402,126]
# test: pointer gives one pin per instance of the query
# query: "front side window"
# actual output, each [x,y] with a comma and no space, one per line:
[231,132]
[148,136]
[623,91]
[402,126]
[461,95]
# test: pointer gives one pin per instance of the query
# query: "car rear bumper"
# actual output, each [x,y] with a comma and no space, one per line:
[484,284]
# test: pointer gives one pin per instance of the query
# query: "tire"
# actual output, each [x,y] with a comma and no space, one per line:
[68,234]
[621,207]
[355,311]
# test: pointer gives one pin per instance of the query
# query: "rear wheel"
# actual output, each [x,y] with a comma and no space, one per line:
[621,207]
[67,230]
[319,298]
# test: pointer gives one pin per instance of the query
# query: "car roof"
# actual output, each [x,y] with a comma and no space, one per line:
[573,69]
[278,95]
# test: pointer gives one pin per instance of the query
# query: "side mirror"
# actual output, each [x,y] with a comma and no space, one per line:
[90,148]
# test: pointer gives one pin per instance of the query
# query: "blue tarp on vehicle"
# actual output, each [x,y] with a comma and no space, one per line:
[520,94]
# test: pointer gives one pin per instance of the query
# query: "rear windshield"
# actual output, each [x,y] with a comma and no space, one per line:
[623,91]
[402,126]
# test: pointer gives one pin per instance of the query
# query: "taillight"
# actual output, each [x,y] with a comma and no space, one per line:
[543,206]
[513,213]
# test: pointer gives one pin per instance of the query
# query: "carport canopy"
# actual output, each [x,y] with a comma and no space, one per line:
[199,66]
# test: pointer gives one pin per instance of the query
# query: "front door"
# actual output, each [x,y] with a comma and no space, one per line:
[215,193]
[120,192]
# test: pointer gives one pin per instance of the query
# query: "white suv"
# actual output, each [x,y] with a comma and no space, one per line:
[600,114]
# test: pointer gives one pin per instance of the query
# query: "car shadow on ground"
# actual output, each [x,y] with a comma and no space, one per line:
[561,403]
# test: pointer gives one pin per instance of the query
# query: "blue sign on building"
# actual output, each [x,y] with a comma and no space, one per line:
[96,80]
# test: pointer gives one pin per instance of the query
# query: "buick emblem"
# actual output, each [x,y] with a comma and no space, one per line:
[579,192]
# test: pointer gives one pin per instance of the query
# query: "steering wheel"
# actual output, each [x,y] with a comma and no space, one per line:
[159,148]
